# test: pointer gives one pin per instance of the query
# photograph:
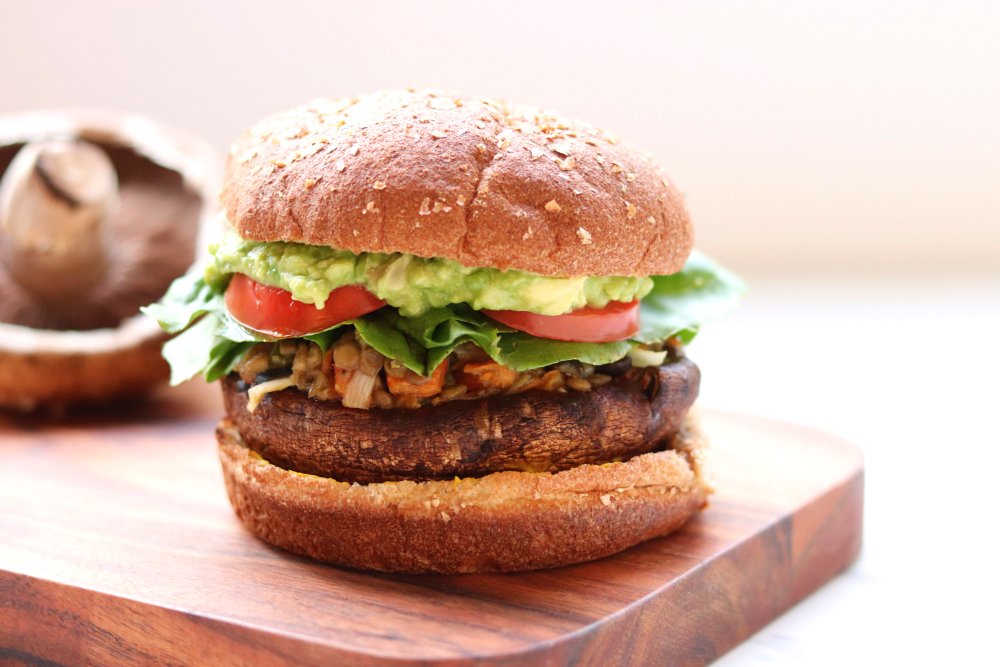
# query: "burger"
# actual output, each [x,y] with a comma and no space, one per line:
[450,335]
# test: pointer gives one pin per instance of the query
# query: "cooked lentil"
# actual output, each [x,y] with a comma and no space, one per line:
[305,360]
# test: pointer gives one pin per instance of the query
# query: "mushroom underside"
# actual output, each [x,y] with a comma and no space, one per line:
[149,240]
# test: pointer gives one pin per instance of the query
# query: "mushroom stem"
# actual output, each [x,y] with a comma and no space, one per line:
[55,200]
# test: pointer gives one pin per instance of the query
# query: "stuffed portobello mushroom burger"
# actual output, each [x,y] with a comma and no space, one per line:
[450,334]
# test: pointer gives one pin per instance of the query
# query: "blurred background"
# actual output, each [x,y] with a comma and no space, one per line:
[851,136]
[843,157]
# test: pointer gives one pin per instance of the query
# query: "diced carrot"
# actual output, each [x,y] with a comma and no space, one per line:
[485,375]
[341,378]
[433,385]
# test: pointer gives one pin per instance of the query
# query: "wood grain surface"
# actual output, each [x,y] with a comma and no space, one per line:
[118,547]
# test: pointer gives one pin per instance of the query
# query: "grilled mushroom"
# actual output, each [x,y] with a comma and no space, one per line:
[537,431]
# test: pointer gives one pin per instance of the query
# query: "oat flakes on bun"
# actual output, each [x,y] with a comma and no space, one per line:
[450,336]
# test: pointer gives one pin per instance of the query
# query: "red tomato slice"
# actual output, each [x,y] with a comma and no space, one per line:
[273,311]
[616,321]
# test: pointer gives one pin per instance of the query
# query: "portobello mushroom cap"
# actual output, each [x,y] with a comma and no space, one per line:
[91,343]
[534,431]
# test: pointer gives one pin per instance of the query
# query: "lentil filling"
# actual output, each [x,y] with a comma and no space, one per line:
[352,372]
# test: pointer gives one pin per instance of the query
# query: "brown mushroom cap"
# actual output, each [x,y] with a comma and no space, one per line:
[39,367]
[168,186]
[536,431]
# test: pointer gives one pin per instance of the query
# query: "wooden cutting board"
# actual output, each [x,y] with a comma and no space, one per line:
[118,547]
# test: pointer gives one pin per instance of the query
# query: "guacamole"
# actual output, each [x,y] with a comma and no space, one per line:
[412,284]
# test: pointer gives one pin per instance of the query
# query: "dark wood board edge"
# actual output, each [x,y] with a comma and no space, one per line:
[47,624]
[749,585]
[53,624]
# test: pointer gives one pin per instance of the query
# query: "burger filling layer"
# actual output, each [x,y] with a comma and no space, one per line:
[398,331]
[360,376]
[413,285]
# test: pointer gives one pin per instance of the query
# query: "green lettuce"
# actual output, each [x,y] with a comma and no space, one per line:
[187,298]
[212,345]
[681,302]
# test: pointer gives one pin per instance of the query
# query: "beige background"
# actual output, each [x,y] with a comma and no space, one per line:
[841,138]
[854,141]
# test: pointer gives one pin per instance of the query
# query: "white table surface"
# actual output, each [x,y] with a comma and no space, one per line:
[910,371]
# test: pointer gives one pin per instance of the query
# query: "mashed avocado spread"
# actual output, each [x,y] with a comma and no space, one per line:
[412,284]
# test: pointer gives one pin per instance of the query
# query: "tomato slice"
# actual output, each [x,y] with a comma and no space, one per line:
[273,311]
[616,321]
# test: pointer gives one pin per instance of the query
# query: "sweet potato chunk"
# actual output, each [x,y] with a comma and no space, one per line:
[485,375]
[410,386]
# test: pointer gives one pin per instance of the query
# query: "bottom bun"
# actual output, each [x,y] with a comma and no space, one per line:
[505,521]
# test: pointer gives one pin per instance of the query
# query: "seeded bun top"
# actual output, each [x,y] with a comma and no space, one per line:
[468,179]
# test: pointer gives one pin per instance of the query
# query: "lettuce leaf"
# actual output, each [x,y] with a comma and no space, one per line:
[443,329]
[378,330]
[186,299]
[190,352]
[223,358]
[212,345]
[522,351]
[679,303]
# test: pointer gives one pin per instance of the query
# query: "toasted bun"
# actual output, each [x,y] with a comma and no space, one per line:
[505,521]
[472,180]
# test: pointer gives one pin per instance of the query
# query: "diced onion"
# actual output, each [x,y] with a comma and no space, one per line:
[257,392]
[643,358]
[359,391]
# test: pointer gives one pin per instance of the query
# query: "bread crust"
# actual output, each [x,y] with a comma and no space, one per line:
[472,180]
[538,431]
[505,521]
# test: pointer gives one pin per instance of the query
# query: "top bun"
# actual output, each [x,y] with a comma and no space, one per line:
[468,179]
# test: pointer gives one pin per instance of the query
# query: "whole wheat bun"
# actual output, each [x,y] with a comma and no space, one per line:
[472,180]
[505,521]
